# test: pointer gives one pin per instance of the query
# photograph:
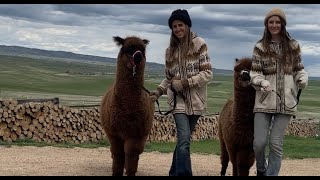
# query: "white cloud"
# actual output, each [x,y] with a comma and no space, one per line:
[305,27]
[310,48]
[24,35]
[229,30]
[58,31]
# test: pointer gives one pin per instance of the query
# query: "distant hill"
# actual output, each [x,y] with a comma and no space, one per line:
[151,67]
[45,54]
[314,78]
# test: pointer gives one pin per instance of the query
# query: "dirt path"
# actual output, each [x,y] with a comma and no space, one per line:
[54,161]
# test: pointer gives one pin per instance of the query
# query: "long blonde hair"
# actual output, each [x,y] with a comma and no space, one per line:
[185,44]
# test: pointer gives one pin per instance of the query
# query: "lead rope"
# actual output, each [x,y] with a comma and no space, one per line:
[278,95]
[134,70]
[298,97]
[174,100]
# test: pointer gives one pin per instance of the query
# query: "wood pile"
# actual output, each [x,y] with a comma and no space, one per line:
[48,122]
[52,123]
[303,128]
[163,129]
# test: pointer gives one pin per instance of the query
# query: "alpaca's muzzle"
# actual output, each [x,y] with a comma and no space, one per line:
[245,75]
[137,57]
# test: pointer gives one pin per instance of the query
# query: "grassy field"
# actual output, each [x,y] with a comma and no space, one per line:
[84,83]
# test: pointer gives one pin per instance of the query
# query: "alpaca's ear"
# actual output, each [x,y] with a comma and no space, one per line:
[146,41]
[236,61]
[118,40]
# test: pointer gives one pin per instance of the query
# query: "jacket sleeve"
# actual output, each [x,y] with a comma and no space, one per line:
[299,72]
[256,72]
[162,88]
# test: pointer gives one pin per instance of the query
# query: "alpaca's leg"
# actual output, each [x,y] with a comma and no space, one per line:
[224,158]
[234,169]
[133,147]
[233,159]
[245,159]
[118,156]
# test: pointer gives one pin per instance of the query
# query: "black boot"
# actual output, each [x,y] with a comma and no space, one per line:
[260,173]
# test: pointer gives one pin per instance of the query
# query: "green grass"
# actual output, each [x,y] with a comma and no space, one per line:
[294,147]
[208,146]
[301,147]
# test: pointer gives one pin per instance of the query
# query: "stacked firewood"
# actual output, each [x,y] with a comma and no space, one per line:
[52,123]
[207,128]
[163,129]
[47,122]
[303,128]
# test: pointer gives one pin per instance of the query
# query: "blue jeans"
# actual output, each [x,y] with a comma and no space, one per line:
[264,127]
[181,161]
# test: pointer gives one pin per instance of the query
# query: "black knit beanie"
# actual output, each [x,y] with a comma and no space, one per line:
[180,14]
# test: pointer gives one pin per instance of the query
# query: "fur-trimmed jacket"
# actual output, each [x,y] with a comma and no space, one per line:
[283,80]
[196,69]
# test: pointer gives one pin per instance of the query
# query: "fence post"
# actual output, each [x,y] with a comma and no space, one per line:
[56,100]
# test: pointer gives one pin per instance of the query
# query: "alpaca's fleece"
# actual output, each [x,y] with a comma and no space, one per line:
[236,124]
[127,111]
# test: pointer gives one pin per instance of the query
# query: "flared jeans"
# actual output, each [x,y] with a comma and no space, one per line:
[181,161]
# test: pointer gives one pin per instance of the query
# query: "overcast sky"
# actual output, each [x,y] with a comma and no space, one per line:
[229,30]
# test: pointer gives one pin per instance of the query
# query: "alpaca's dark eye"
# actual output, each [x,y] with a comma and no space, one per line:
[130,50]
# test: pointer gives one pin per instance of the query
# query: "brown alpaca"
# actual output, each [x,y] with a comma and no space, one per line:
[236,123]
[127,111]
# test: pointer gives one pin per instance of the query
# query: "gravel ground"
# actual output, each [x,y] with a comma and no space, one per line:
[55,161]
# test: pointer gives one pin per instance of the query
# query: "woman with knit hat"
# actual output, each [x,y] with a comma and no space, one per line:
[276,68]
[188,70]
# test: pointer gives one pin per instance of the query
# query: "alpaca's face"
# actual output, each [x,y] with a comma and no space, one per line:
[132,52]
[242,72]
[135,53]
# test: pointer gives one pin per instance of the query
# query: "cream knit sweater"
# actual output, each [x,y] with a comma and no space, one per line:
[196,70]
[283,80]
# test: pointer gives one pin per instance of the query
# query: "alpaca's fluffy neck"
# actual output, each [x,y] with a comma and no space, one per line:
[243,101]
[126,80]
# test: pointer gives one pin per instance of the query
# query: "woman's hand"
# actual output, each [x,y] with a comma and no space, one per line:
[177,85]
[302,83]
[154,95]
[266,86]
